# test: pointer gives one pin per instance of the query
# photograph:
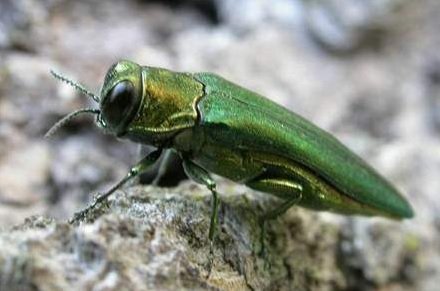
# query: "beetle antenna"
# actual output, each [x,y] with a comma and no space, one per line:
[75,85]
[60,123]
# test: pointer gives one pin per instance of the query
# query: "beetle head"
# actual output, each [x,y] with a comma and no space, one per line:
[121,96]
[119,101]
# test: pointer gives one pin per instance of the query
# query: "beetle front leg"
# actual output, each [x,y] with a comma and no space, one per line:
[201,176]
[140,167]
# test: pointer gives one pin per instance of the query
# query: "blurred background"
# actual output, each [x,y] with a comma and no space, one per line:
[368,71]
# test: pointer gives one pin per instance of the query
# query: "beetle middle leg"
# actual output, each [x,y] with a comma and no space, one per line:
[201,176]
[140,167]
[284,188]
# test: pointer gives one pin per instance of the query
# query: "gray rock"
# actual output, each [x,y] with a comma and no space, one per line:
[150,238]
[22,23]
[347,26]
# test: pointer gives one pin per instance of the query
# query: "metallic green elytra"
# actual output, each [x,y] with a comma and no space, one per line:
[219,127]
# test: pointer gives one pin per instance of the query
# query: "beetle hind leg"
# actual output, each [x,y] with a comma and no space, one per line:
[283,188]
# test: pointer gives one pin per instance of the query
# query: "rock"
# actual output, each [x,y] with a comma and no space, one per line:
[347,26]
[23,175]
[154,238]
[22,23]
[22,172]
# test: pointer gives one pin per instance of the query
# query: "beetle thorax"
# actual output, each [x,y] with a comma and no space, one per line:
[168,103]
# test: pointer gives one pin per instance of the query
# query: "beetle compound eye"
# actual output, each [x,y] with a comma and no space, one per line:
[118,102]
[119,105]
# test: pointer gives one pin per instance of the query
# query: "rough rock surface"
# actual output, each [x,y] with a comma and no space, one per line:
[155,238]
[372,78]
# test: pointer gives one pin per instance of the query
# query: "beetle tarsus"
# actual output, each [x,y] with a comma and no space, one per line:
[210,258]
[82,214]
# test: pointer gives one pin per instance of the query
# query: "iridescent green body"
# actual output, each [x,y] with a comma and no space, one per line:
[238,134]
[219,127]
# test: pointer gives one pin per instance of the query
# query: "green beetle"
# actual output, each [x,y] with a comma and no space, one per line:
[219,127]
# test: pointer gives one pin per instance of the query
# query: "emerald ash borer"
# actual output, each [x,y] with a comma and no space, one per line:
[216,126]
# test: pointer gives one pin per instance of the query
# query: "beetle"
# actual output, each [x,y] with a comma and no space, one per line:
[219,127]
